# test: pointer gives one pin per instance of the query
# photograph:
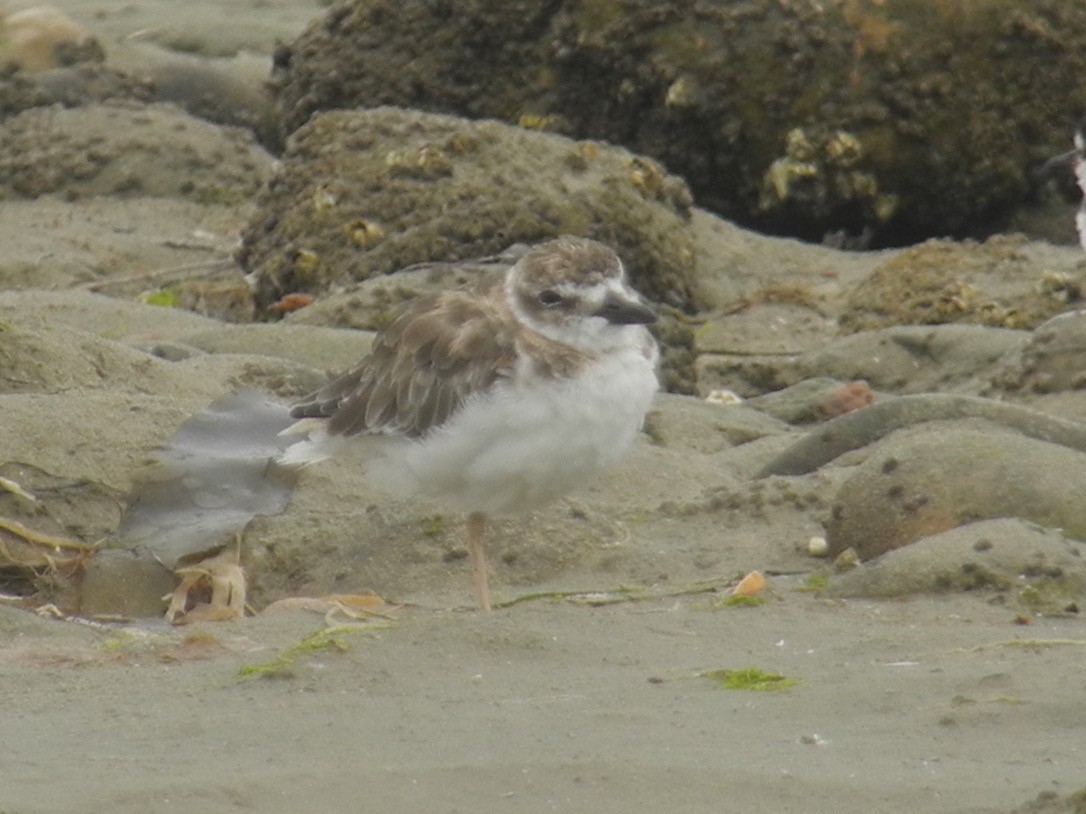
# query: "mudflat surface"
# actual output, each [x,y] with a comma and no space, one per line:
[920,706]
[964,701]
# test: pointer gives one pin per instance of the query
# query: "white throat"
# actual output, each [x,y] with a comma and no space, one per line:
[589,334]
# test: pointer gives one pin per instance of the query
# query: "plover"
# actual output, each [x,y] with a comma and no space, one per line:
[499,402]
[1077,159]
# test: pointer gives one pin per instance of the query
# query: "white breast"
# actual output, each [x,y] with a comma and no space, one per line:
[521,445]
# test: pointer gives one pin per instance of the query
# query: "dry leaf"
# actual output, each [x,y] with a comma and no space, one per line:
[213,590]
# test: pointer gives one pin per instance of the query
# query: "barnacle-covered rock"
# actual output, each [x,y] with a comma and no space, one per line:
[925,117]
[366,193]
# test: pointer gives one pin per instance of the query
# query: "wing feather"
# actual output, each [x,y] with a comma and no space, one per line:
[434,355]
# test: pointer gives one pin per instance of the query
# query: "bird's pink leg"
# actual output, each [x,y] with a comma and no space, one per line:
[476,527]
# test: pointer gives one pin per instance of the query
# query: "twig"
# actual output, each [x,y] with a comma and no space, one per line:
[16,489]
[42,539]
[1023,643]
[621,594]
[211,266]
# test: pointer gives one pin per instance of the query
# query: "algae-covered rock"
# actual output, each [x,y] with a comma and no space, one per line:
[360,194]
[884,119]
[127,149]
[1004,282]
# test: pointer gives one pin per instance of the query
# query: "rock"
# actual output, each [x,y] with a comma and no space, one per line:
[1004,282]
[120,583]
[40,38]
[919,483]
[859,428]
[370,304]
[694,424]
[225,91]
[913,358]
[71,86]
[56,359]
[323,348]
[868,148]
[127,149]
[1052,360]
[366,193]
[123,321]
[1006,554]
[813,400]
[230,92]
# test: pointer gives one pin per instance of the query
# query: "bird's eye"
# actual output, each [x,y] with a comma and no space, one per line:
[550,298]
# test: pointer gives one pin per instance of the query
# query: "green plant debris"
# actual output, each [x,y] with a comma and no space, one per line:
[1047,598]
[749,678]
[166,297]
[623,593]
[434,525]
[816,583]
[329,638]
[739,601]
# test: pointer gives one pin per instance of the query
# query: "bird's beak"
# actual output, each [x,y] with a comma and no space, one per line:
[619,310]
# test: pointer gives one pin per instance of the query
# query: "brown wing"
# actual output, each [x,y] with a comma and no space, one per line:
[431,358]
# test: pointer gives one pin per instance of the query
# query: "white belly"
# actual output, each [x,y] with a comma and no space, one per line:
[517,449]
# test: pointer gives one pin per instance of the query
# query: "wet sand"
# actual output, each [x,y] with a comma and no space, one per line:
[927,704]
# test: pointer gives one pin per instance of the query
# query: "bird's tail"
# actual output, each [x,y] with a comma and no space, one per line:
[309,450]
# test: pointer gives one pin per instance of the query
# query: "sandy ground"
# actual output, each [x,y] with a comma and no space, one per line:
[930,704]
[918,706]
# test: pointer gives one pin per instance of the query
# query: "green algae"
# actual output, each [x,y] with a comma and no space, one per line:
[753,679]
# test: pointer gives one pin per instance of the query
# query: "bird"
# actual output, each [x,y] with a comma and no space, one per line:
[1076,158]
[501,400]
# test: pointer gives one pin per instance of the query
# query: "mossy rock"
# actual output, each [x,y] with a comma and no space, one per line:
[998,283]
[888,120]
[365,193]
[127,149]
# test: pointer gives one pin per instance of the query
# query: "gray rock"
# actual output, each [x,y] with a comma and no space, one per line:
[121,583]
[913,358]
[933,478]
[808,401]
[996,555]
[327,349]
[855,430]
[693,424]
[1053,360]
[119,320]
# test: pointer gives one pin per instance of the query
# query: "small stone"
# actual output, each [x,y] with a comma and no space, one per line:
[724,398]
[846,560]
[818,547]
[118,583]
